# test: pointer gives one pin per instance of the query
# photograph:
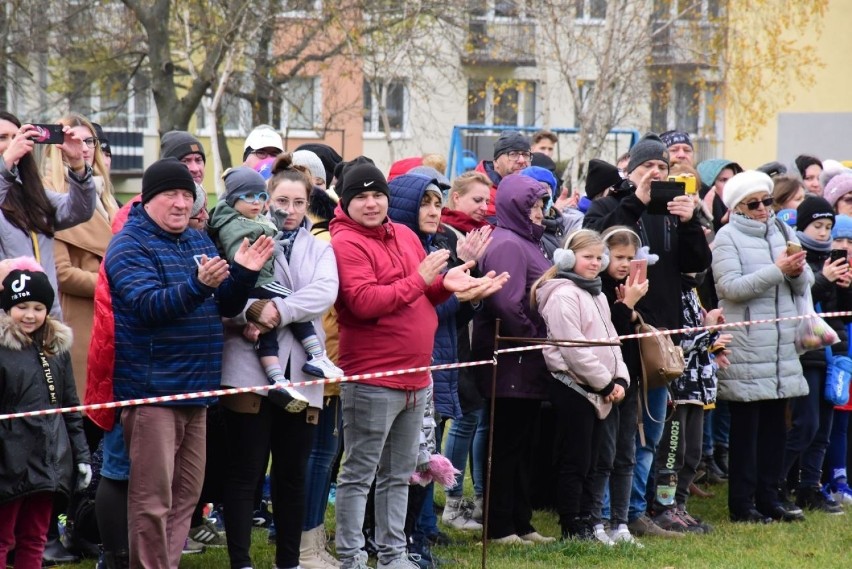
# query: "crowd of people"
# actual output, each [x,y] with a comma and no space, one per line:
[310,267]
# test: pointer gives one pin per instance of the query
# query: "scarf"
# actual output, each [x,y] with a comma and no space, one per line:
[284,240]
[592,286]
[461,221]
[813,244]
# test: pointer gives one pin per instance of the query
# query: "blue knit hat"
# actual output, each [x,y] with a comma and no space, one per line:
[842,227]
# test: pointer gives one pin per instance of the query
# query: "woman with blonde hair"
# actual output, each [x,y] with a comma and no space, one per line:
[78,251]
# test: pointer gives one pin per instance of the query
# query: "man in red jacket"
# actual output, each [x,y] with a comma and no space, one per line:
[387,321]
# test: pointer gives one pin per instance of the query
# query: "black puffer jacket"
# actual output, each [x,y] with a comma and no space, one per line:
[37,454]
[831,298]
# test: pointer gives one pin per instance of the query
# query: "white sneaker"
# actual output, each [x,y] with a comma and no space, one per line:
[602,536]
[323,367]
[622,535]
[405,561]
[457,516]
[841,498]
[535,537]
[287,398]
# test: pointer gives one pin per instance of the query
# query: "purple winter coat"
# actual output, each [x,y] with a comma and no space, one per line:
[515,248]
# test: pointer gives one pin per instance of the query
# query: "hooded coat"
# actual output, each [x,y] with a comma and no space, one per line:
[37,454]
[515,248]
[406,195]
[764,363]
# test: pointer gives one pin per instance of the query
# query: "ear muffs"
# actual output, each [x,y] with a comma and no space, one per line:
[604,259]
[565,259]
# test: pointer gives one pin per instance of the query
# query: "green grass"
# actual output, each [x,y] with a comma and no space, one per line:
[821,541]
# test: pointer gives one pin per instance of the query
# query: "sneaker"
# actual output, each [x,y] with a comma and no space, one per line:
[715,475]
[478,505]
[287,398]
[191,547]
[669,520]
[750,516]
[645,526]
[262,517]
[692,521]
[842,493]
[816,499]
[536,537]
[601,535]
[206,534]
[323,367]
[439,538]
[405,561]
[458,516]
[622,534]
[511,539]
[357,562]
[217,518]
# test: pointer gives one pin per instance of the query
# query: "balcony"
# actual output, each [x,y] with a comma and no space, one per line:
[492,42]
[683,45]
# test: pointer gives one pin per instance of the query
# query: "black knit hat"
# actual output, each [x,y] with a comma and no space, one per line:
[602,175]
[649,147]
[812,209]
[361,175]
[179,143]
[164,175]
[510,140]
[22,285]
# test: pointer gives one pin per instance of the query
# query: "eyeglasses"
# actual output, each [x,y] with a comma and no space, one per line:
[264,154]
[254,197]
[91,142]
[298,205]
[514,155]
[754,205]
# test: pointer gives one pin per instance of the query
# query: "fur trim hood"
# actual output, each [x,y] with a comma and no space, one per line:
[13,338]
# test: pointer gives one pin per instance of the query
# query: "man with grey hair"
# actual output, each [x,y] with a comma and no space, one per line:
[511,155]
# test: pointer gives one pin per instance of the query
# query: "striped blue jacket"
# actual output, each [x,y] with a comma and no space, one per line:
[168,328]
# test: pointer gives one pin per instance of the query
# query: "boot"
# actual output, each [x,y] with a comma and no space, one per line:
[720,456]
[698,492]
[117,559]
[309,551]
[457,516]
[56,554]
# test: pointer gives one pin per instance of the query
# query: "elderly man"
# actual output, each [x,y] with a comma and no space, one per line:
[169,291]
[511,155]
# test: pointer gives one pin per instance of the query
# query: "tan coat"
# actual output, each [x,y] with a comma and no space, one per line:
[78,252]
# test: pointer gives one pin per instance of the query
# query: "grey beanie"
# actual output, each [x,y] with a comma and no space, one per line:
[510,140]
[649,147]
[179,143]
[200,200]
[242,180]
[310,161]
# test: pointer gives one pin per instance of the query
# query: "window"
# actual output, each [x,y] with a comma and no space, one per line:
[507,103]
[590,9]
[301,8]
[300,104]
[124,103]
[695,10]
[490,9]
[235,116]
[394,94]
[690,107]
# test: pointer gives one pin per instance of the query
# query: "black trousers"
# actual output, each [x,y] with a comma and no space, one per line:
[680,447]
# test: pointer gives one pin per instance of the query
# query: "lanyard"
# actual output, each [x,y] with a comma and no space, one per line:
[48,378]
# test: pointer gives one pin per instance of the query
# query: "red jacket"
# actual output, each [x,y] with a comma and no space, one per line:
[102,347]
[487,167]
[385,310]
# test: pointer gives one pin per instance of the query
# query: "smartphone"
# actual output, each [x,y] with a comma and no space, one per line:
[661,194]
[198,259]
[793,248]
[638,270]
[838,254]
[689,181]
[48,134]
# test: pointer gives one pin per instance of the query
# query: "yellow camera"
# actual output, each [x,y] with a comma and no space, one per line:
[689,182]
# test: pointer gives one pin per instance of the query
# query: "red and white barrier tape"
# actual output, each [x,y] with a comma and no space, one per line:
[693,329]
[362,376]
[236,390]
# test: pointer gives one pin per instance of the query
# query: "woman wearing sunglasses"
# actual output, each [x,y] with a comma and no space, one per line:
[757,278]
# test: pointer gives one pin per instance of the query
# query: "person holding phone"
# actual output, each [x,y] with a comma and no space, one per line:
[677,238]
[807,439]
[30,214]
[757,279]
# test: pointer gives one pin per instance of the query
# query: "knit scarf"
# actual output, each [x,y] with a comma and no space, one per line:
[813,244]
[461,221]
[284,240]
[592,286]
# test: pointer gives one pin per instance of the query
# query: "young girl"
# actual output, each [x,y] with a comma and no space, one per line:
[616,457]
[37,454]
[588,379]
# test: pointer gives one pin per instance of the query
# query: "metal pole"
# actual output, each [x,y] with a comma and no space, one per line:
[487,502]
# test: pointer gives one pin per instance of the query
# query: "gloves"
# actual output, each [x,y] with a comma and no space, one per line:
[84,476]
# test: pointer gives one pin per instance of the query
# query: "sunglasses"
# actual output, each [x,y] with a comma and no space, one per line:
[754,205]
[254,197]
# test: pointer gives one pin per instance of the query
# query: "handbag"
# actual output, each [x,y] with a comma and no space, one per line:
[837,376]
[662,360]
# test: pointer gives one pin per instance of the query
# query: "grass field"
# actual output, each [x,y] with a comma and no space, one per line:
[821,541]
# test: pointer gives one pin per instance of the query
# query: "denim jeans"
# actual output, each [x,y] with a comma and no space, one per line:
[468,437]
[653,428]
[807,439]
[836,456]
[427,520]
[381,431]
[323,454]
[722,423]
[707,436]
